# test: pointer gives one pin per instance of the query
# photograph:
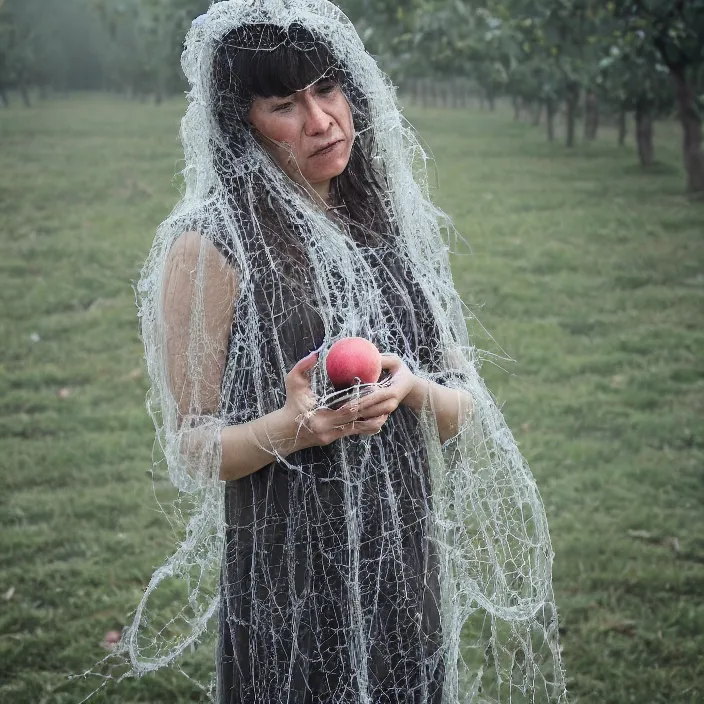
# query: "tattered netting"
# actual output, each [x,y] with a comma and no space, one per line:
[385,568]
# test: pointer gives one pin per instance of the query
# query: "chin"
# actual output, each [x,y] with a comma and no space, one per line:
[325,172]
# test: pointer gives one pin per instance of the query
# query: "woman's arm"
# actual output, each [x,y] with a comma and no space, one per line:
[451,406]
[195,369]
[199,293]
[297,426]
[196,366]
[248,447]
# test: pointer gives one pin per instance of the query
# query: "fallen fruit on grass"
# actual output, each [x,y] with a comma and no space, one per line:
[112,638]
[353,360]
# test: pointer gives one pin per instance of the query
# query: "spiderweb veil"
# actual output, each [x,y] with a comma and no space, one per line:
[388,568]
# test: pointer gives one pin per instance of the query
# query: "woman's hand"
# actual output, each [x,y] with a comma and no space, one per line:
[404,386]
[321,426]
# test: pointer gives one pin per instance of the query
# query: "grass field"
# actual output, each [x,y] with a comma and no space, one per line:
[585,270]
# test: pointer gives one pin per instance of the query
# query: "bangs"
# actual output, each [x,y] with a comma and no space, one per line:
[271,61]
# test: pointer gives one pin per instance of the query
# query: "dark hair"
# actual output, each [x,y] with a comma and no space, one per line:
[268,60]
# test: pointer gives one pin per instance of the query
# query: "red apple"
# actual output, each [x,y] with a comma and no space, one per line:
[352,359]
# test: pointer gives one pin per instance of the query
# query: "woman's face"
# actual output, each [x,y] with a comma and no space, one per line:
[309,133]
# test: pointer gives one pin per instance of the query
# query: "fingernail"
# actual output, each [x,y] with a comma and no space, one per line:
[317,350]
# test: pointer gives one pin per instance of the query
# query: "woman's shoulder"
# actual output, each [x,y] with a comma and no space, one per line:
[191,248]
[203,227]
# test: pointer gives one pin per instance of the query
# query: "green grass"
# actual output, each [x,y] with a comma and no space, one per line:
[585,270]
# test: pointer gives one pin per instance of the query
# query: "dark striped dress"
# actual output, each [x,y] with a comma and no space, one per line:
[329,580]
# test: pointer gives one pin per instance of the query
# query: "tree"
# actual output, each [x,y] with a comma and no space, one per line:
[634,77]
[676,29]
[50,44]
[18,61]
[453,38]
[536,74]
[146,39]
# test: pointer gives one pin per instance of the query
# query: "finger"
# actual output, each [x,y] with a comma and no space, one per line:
[359,427]
[374,399]
[339,416]
[370,398]
[372,422]
[391,362]
[380,409]
[370,426]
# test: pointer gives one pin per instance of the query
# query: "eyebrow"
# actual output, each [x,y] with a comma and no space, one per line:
[326,76]
[323,77]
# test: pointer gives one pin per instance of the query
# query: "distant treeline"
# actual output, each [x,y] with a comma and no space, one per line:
[575,57]
[129,46]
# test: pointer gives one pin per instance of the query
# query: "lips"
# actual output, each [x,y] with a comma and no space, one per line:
[327,147]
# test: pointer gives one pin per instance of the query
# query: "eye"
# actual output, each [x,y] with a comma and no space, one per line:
[327,87]
[282,107]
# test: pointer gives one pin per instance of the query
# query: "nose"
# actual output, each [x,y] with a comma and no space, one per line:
[317,121]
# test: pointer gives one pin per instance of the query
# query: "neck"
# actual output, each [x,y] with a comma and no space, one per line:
[320,191]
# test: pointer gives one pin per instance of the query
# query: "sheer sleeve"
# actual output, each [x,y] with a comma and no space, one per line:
[198,298]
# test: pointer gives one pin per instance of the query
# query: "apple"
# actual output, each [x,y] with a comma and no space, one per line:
[353,360]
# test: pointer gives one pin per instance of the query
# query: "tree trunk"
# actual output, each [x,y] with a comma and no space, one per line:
[25,95]
[466,95]
[516,107]
[3,97]
[551,110]
[424,93]
[572,101]
[691,131]
[644,135]
[622,126]
[454,93]
[591,119]
[159,91]
[492,101]
[538,112]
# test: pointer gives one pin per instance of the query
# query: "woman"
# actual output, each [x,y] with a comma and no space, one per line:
[387,551]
